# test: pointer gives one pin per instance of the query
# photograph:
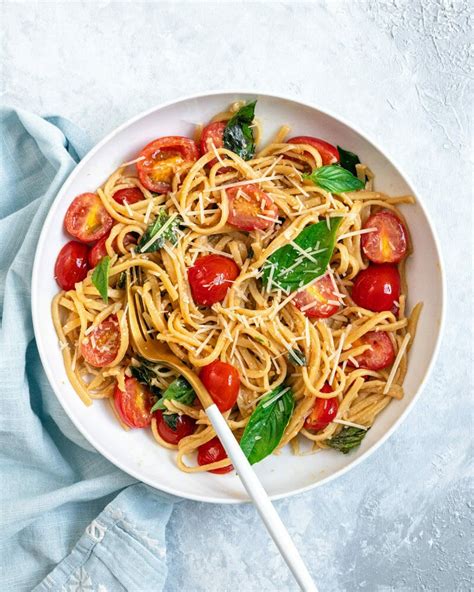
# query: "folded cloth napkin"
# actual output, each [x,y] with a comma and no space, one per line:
[53,482]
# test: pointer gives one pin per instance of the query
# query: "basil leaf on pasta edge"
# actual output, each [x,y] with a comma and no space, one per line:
[267,424]
[348,160]
[347,439]
[100,277]
[238,135]
[179,390]
[335,179]
[163,228]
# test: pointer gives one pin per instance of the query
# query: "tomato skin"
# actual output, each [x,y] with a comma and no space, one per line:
[389,243]
[99,348]
[323,412]
[86,218]
[98,252]
[161,159]
[222,380]
[246,206]
[329,153]
[213,132]
[380,356]
[318,293]
[377,288]
[185,426]
[210,278]
[211,452]
[71,265]
[131,195]
[134,404]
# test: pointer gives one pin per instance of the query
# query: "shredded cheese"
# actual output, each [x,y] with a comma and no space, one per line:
[398,359]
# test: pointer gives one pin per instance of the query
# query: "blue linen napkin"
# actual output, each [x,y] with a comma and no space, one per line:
[53,483]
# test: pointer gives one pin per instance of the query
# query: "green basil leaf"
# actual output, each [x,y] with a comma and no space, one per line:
[171,420]
[335,179]
[291,269]
[296,356]
[238,135]
[267,424]
[100,277]
[348,160]
[179,390]
[163,228]
[347,439]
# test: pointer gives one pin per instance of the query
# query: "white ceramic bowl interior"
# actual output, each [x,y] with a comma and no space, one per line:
[135,451]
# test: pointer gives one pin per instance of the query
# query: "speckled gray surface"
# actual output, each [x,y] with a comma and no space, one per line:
[402,72]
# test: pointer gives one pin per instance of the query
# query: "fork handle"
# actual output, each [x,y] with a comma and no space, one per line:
[259,496]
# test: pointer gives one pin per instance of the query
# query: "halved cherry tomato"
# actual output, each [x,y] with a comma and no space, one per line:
[134,404]
[247,204]
[162,157]
[98,252]
[211,452]
[101,345]
[321,296]
[388,244]
[86,218]
[212,134]
[71,265]
[223,382]
[329,153]
[210,278]
[323,412]
[377,288]
[381,355]
[185,426]
[131,195]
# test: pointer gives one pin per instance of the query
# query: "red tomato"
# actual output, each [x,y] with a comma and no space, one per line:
[98,251]
[162,157]
[131,195]
[211,452]
[329,153]
[323,412]
[185,426]
[101,345]
[212,134]
[210,278]
[377,288]
[134,404]
[71,265]
[389,243]
[223,382]
[321,296]
[246,204]
[382,353]
[86,218]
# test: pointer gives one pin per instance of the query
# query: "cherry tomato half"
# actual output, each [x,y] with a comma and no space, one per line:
[86,218]
[382,353]
[131,195]
[162,158]
[71,265]
[320,295]
[223,382]
[377,288]
[212,134]
[388,244]
[210,277]
[211,452]
[185,426]
[329,153]
[101,345]
[323,412]
[246,206]
[134,404]
[98,252]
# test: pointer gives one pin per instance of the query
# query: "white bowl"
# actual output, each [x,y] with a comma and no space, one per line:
[135,452]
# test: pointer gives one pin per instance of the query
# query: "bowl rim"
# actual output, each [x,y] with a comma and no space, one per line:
[202,95]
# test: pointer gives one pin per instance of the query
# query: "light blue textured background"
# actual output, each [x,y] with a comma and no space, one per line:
[403,73]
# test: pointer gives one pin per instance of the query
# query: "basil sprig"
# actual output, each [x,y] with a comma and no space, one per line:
[267,424]
[238,135]
[335,179]
[164,228]
[100,277]
[171,420]
[348,160]
[317,241]
[179,390]
[347,439]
